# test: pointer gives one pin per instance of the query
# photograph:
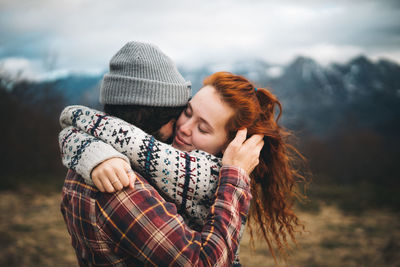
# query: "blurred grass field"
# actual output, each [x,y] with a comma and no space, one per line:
[352,218]
[32,231]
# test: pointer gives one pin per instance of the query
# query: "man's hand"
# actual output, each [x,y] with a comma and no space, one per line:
[244,153]
[112,175]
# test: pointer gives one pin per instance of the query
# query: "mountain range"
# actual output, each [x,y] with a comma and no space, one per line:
[316,99]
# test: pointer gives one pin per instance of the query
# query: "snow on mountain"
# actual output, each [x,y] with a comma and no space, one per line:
[315,98]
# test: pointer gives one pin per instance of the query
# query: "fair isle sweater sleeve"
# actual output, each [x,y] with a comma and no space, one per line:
[86,152]
[188,179]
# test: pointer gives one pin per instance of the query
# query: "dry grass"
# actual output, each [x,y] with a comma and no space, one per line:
[32,233]
[337,239]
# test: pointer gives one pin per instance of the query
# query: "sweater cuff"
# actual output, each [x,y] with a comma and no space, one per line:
[95,154]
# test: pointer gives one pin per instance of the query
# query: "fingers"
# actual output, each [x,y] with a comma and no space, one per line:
[111,181]
[123,176]
[98,184]
[132,178]
[109,188]
[113,175]
[255,153]
[240,136]
[260,145]
[254,144]
[237,142]
[129,175]
[254,140]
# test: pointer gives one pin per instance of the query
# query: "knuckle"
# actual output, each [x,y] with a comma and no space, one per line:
[101,169]
[107,169]
[95,172]
[104,179]
[235,146]
[123,182]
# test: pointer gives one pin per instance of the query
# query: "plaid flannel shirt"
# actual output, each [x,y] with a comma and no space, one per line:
[136,227]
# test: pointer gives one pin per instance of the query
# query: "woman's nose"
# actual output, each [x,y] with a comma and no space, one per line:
[186,127]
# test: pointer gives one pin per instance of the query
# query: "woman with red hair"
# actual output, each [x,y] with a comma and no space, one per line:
[225,104]
[274,179]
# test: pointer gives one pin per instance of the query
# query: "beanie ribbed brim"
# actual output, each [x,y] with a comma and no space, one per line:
[123,90]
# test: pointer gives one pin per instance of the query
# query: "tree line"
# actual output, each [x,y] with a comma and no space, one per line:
[352,155]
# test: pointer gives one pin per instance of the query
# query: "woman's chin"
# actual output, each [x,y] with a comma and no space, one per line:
[182,147]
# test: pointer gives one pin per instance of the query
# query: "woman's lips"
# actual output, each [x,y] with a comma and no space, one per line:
[179,141]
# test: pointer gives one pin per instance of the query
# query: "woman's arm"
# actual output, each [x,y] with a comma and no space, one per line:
[86,153]
[189,179]
[97,162]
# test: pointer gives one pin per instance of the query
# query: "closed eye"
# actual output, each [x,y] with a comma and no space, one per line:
[202,130]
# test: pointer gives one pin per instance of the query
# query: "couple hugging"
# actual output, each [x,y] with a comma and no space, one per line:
[160,179]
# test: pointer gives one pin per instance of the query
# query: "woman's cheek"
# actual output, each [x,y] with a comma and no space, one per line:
[210,145]
[197,141]
[200,141]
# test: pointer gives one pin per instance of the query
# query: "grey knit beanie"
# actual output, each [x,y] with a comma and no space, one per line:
[141,74]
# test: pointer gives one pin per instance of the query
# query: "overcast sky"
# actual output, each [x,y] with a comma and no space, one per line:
[83,35]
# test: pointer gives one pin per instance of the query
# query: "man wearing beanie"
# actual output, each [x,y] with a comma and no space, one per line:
[137,226]
[141,74]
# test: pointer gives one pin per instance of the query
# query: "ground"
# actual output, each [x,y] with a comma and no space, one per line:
[32,233]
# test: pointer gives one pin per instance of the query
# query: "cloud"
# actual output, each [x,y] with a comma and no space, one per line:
[17,67]
[325,53]
[81,34]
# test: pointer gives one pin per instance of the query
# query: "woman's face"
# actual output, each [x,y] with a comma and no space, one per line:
[202,125]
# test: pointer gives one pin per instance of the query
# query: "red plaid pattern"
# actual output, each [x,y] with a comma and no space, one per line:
[138,227]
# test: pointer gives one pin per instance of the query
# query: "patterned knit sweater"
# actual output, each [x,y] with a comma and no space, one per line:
[188,179]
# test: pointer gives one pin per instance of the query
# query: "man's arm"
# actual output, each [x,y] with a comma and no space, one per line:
[186,178]
[144,225]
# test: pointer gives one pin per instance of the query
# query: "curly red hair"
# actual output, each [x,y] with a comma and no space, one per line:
[274,180]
